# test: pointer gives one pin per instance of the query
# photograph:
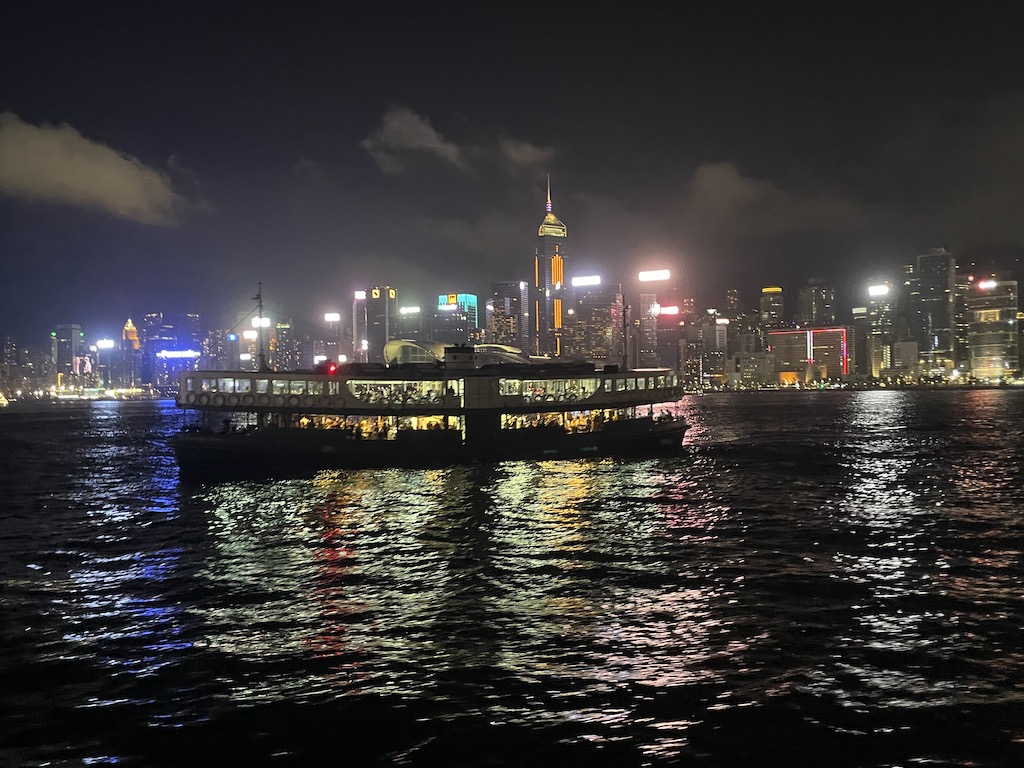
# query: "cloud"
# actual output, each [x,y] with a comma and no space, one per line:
[722,200]
[403,135]
[57,164]
[524,158]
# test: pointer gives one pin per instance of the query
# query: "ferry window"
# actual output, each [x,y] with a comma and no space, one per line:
[620,385]
[661,381]
[208,385]
[225,385]
[334,387]
[631,384]
[262,385]
[280,387]
[641,383]
[607,385]
[243,386]
[510,386]
[190,384]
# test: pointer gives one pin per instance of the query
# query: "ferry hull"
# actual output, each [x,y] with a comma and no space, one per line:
[297,452]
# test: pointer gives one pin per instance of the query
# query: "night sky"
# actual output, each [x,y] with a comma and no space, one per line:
[169,156]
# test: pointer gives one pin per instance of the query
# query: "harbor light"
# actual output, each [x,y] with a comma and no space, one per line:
[245,357]
[105,344]
[578,282]
[876,291]
[261,322]
[250,335]
[332,317]
[408,310]
[359,295]
[653,275]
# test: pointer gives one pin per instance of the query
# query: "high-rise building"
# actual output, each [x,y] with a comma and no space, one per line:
[548,290]
[506,314]
[881,317]
[68,350]
[360,334]
[451,325]
[772,307]
[410,324]
[381,320]
[993,336]
[285,352]
[732,303]
[594,325]
[464,301]
[817,303]
[933,310]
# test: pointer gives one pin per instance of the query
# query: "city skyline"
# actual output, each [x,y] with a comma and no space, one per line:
[169,159]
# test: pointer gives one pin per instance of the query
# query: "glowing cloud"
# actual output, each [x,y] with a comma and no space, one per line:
[57,164]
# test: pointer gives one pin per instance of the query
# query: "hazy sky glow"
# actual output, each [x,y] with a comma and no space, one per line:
[170,157]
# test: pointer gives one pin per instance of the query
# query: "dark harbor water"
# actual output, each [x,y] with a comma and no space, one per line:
[827,579]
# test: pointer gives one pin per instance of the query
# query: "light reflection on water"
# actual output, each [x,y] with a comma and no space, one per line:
[847,556]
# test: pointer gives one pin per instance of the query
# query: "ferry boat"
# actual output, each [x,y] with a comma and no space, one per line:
[452,411]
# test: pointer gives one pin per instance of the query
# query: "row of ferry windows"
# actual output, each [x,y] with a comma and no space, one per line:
[371,391]
[431,390]
[580,387]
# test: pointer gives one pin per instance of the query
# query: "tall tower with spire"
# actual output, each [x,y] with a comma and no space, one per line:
[548,290]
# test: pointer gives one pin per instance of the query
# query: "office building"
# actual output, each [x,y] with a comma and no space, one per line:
[381,320]
[507,314]
[933,311]
[548,289]
[817,302]
[772,307]
[993,336]
[594,325]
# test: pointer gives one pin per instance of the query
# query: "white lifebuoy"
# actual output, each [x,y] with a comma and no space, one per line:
[204,399]
[293,401]
[247,399]
[232,400]
[218,399]
[323,402]
[263,399]
[190,397]
[307,401]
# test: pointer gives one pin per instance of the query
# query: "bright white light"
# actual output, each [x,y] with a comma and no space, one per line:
[360,295]
[105,344]
[261,322]
[986,285]
[448,307]
[365,345]
[332,317]
[721,320]
[878,290]
[409,310]
[317,359]
[250,335]
[179,354]
[342,358]
[673,310]
[653,275]
[586,280]
[245,357]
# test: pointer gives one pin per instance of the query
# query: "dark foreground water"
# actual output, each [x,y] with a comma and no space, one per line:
[827,579]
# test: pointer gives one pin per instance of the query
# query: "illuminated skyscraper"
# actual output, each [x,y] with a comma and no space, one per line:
[594,327]
[68,347]
[933,310]
[548,291]
[506,314]
[381,320]
[360,340]
[771,307]
[993,335]
[817,304]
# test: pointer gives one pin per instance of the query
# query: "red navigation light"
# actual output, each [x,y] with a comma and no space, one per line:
[332,369]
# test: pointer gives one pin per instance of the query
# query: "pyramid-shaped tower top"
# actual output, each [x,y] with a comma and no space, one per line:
[551,226]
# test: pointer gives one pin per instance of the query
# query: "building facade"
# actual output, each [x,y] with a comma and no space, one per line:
[548,288]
